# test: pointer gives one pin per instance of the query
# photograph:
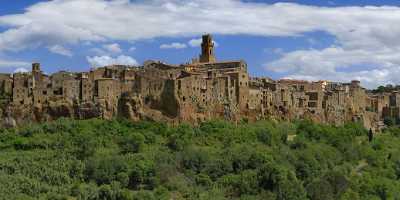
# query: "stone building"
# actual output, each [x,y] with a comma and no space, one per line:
[203,89]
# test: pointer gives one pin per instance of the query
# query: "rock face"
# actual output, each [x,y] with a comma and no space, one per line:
[131,107]
[201,90]
[9,122]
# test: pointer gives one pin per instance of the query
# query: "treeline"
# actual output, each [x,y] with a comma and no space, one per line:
[386,88]
[98,159]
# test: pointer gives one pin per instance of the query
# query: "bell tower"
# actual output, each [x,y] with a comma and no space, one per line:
[207,49]
[35,67]
[36,74]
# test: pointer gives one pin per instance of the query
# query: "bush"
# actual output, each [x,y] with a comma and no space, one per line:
[132,143]
[104,170]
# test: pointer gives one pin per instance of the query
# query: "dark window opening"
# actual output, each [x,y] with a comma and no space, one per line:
[313,96]
[312,104]
[59,91]
[147,100]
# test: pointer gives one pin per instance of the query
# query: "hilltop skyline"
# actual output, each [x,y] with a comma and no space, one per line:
[328,40]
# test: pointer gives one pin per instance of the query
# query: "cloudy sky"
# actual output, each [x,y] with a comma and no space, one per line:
[305,39]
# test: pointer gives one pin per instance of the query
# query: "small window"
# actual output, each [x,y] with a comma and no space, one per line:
[312,104]
[313,96]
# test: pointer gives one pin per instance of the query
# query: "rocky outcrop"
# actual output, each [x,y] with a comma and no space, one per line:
[87,110]
[9,122]
[131,107]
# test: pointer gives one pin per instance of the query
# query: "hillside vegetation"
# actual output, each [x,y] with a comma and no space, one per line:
[97,159]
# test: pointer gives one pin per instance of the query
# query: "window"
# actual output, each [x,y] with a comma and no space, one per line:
[312,104]
[313,96]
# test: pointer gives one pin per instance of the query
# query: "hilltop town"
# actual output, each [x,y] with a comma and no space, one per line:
[203,89]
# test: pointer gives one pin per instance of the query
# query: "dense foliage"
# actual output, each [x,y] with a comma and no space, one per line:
[97,159]
[387,88]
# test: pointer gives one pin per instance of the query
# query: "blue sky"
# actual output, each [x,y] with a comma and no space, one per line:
[305,39]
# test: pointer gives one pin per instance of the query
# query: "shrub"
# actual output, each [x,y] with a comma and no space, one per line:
[132,143]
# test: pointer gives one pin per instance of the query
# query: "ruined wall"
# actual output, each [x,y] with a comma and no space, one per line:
[5,84]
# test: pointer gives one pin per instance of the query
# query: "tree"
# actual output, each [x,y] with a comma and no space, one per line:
[132,143]
[370,135]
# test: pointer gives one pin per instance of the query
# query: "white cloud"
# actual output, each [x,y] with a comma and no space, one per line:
[372,68]
[195,42]
[174,45]
[21,70]
[107,49]
[96,20]
[113,48]
[363,34]
[58,49]
[132,49]
[45,23]
[100,61]
[5,63]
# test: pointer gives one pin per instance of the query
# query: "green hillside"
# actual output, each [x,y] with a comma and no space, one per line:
[97,159]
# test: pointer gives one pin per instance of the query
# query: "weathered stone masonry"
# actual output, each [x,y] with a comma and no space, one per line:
[197,91]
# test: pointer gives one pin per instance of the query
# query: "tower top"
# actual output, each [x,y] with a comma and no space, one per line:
[207,49]
[36,67]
